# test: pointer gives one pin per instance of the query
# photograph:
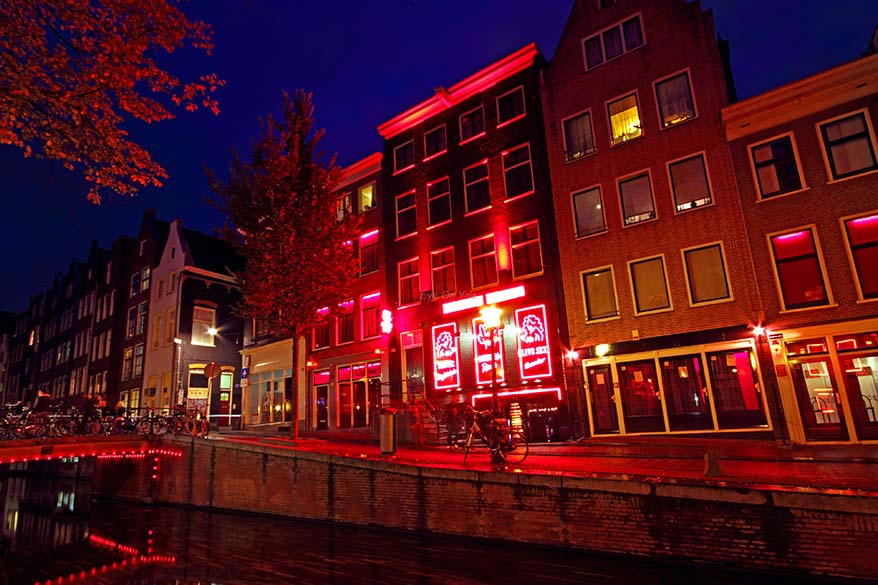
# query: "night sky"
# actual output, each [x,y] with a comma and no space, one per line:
[365,63]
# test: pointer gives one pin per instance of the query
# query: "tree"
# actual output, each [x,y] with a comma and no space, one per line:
[70,70]
[283,215]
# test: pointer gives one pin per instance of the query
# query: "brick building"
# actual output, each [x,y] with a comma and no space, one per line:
[661,296]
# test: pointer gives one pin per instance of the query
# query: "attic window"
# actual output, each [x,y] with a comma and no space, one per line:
[173,252]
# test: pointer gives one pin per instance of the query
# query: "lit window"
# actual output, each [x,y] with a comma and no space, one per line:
[689,183]
[345,321]
[138,360]
[145,275]
[612,42]
[442,266]
[409,282]
[404,156]
[343,207]
[131,326]
[141,318]
[203,320]
[862,234]
[527,257]
[599,289]
[476,187]
[578,136]
[472,124]
[483,261]
[624,119]
[369,252]
[366,197]
[637,203]
[510,106]
[589,212]
[517,172]
[127,363]
[675,103]
[370,308]
[848,146]
[649,284]
[135,284]
[435,142]
[706,274]
[799,274]
[406,219]
[172,325]
[439,202]
[776,167]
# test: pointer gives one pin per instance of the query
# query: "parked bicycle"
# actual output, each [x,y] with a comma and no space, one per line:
[507,445]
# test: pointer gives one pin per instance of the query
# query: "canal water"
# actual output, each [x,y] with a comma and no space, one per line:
[54,532]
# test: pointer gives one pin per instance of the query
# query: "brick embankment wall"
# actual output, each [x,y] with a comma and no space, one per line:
[752,529]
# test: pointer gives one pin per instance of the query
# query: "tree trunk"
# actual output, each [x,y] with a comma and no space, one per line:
[295,429]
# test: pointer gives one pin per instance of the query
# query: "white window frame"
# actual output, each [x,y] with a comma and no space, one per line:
[637,311]
[594,148]
[397,170]
[374,205]
[397,211]
[573,211]
[466,185]
[628,177]
[618,98]
[446,195]
[433,269]
[750,147]
[341,312]
[625,49]
[595,270]
[725,261]
[703,155]
[520,88]
[842,221]
[469,251]
[658,111]
[530,165]
[512,248]
[435,154]
[870,134]
[830,301]
[460,125]
[416,276]
[363,315]
[199,342]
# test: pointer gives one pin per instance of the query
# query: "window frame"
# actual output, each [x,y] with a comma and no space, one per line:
[869,134]
[360,247]
[703,155]
[725,265]
[203,307]
[530,165]
[434,268]
[818,251]
[600,34]
[512,248]
[344,312]
[460,125]
[324,330]
[471,258]
[523,114]
[428,156]
[619,98]
[360,207]
[413,208]
[573,195]
[688,73]
[637,311]
[446,195]
[629,177]
[416,276]
[594,147]
[760,197]
[849,249]
[598,270]
[466,185]
[396,169]
[362,311]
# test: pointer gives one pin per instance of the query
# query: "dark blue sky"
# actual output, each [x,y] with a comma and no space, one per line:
[365,62]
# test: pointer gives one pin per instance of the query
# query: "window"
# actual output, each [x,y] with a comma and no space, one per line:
[483,261]
[161,289]
[439,202]
[527,257]
[343,206]
[848,146]
[172,325]
[799,274]
[157,331]
[172,282]
[862,237]
[510,106]
[345,322]
[706,274]
[689,183]
[476,187]
[435,142]
[145,276]
[578,136]
[404,156]
[321,334]
[637,203]
[135,284]
[369,252]
[203,320]
[406,219]
[109,271]
[370,308]
[649,285]
[442,267]
[472,124]
[624,119]
[409,284]
[366,197]
[589,212]
[599,289]
[141,318]
[612,42]
[127,363]
[138,360]
[776,167]
[131,325]
[517,172]
[674,98]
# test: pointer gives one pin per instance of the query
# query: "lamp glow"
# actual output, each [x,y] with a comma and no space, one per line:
[602,349]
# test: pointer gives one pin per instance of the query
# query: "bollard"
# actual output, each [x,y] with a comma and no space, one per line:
[711,464]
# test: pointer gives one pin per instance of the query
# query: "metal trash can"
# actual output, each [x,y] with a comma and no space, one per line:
[388,437]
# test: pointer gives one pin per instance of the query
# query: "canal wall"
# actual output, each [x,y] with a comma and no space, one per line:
[756,529]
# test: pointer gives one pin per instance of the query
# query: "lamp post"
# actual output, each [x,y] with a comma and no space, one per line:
[491,318]
[178,344]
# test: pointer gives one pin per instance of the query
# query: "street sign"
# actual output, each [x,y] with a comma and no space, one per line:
[245,373]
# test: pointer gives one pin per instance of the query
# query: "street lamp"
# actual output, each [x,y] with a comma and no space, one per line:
[491,319]
[178,343]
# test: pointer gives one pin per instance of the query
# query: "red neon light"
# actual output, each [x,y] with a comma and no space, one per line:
[358,170]
[446,356]
[506,294]
[534,357]
[368,235]
[517,393]
[371,296]
[463,304]
[482,347]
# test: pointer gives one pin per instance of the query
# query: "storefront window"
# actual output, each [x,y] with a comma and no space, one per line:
[641,406]
[736,393]
[685,393]
[858,358]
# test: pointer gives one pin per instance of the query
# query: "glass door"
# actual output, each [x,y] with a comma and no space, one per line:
[641,404]
[322,408]
[860,375]
[737,397]
[685,393]
[604,418]
[817,396]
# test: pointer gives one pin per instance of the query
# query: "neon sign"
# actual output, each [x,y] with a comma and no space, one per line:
[482,347]
[534,359]
[508,393]
[446,356]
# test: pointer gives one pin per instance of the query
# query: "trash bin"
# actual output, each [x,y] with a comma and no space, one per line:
[388,433]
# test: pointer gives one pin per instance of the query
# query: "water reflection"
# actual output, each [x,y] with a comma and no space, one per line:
[53,532]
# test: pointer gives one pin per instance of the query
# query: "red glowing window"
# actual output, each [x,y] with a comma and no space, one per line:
[798,270]
[476,187]
[862,234]
[446,356]
[369,252]
[442,267]
[321,377]
[345,322]
[534,357]
[409,282]
[482,353]
[483,261]
[472,124]
[439,202]
[527,258]
[404,156]
[435,142]
[406,217]
[370,311]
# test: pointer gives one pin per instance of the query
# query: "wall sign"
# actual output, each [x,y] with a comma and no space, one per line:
[446,356]
[482,353]
[534,360]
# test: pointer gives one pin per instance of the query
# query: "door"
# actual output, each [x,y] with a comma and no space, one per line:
[860,375]
[641,401]
[322,408]
[818,399]
[359,403]
[737,397]
[686,393]
[604,418]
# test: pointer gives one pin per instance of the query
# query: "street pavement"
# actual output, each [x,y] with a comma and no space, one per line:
[749,464]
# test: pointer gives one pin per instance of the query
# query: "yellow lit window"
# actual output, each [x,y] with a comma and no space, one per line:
[624,119]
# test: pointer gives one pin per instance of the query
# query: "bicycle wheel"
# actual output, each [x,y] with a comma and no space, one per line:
[63,427]
[514,448]
[467,446]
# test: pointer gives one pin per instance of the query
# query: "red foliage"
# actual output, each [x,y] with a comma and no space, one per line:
[71,69]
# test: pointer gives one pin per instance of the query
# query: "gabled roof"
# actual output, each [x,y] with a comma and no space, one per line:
[212,254]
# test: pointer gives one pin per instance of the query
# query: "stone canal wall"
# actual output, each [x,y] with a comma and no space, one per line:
[753,529]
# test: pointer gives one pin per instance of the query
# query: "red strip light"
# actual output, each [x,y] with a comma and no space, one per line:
[518,393]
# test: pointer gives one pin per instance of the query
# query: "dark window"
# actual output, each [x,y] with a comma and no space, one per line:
[600,294]
[578,136]
[483,262]
[689,183]
[862,235]
[321,335]
[369,253]
[406,220]
[675,102]
[612,43]
[848,146]
[435,142]
[371,309]
[526,254]
[650,286]
[439,202]
[594,55]
[346,322]
[442,265]
[404,156]
[706,270]
[478,191]
[472,124]
[589,212]
[633,33]
[776,169]
[127,363]
[798,270]
[517,172]
[637,204]
[510,106]
[141,318]
[409,282]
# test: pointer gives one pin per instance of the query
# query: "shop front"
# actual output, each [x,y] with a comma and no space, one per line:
[346,396]
[828,380]
[267,384]
[695,389]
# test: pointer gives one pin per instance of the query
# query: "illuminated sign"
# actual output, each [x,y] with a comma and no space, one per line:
[463,304]
[482,353]
[386,321]
[534,360]
[446,356]
[513,393]
[491,298]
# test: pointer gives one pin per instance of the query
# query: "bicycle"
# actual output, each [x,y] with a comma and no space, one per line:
[191,422]
[506,444]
